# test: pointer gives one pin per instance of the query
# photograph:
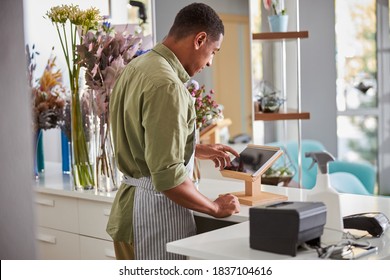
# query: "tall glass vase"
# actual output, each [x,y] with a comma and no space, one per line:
[82,155]
[106,168]
[65,153]
[196,173]
[37,151]
[196,168]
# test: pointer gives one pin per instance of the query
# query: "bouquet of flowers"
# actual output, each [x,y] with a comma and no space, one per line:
[48,93]
[104,54]
[70,22]
[207,110]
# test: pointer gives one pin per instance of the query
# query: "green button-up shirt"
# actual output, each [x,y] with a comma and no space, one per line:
[152,117]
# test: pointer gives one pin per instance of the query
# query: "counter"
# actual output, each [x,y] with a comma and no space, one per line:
[233,242]
[71,224]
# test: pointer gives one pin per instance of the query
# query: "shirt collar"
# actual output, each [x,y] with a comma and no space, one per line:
[171,58]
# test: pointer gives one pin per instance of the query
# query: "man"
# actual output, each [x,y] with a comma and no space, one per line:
[153,124]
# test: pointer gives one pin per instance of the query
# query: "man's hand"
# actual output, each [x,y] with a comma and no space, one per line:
[226,205]
[218,153]
[189,197]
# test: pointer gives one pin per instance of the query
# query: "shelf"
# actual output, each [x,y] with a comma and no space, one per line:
[289,114]
[280,35]
[283,114]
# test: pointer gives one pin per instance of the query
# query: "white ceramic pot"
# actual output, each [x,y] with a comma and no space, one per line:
[278,23]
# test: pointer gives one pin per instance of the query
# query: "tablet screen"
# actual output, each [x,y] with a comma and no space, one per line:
[253,160]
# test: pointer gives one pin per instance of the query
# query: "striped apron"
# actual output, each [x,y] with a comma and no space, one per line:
[158,220]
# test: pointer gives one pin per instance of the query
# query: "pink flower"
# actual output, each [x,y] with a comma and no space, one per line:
[205,107]
[267,4]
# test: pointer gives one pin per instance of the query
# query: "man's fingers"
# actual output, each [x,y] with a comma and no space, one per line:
[231,150]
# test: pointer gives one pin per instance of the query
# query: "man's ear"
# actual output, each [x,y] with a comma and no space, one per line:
[200,40]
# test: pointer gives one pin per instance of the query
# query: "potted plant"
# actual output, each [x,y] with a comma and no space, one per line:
[278,20]
[281,172]
[268,100]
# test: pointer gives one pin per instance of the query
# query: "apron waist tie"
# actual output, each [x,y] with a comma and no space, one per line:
[143,182]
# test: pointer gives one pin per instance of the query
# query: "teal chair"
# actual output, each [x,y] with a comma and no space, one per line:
[364,172]
[345,177]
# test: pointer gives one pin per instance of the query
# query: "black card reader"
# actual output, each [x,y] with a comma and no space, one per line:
[374,222]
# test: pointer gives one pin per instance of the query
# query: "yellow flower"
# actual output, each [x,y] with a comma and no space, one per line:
[86,19]
[58,14]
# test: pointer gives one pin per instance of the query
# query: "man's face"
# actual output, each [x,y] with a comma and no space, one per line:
[204,55]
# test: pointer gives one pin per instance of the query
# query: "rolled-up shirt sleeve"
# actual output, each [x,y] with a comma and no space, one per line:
[166,124]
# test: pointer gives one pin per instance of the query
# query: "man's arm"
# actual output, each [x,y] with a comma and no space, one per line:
[218,153]
[189,197]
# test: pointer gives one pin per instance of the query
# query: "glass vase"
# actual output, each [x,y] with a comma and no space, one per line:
[106,171]
[195,177]
[82,153]
[196,173]
[38,153]
[65,153]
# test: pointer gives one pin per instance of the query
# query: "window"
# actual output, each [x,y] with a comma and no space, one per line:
[361,37]
[357,95]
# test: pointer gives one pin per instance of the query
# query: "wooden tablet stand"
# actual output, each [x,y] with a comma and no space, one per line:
[253,194]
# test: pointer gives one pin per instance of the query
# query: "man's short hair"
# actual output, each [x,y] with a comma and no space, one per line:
[195,18]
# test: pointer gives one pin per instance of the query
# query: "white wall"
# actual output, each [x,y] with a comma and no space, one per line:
[319,72]
[17,235]
[165,12]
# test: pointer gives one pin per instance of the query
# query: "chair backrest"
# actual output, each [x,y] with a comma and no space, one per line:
[309,176]
[364,172]
[345,182]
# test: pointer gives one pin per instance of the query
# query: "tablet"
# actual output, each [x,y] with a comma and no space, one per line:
[255,160]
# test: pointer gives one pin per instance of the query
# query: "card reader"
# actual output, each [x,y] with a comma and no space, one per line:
[374,222]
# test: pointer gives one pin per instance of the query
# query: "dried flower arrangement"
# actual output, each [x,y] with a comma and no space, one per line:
[104,53]
[48,93]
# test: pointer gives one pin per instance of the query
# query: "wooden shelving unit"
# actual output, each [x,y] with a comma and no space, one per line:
[286,114]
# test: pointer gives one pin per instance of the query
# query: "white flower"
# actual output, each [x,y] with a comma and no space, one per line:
[194,84]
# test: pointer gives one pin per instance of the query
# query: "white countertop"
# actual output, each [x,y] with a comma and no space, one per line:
[233,242]
[53,182]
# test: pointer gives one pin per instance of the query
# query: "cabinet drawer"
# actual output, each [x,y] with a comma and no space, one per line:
[93,218]
[57,245]
[96,249]
[57,212]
